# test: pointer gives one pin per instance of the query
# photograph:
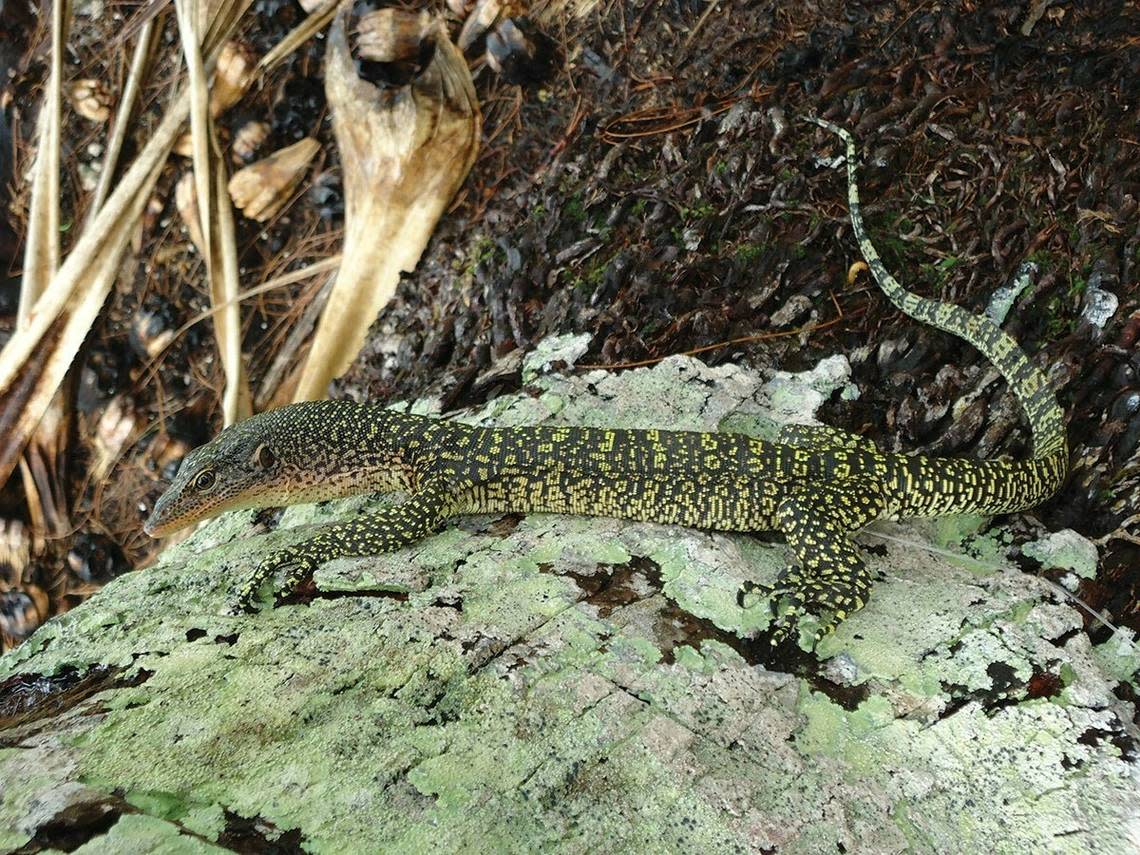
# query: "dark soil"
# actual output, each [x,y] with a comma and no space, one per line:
[659,193]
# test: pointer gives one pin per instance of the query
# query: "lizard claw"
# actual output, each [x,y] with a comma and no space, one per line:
[787,610]
[824,602]
[789,621]
[298,568]
[827,607]
[785,604]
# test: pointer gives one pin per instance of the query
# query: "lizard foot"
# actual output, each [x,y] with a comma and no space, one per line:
[826,601]
[785,603]
[298,568]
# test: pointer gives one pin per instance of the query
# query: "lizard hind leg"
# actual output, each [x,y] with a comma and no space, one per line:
[830,579]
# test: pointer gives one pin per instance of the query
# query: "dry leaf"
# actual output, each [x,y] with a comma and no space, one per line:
[186,200]
[248,140]
[485,15]
[520,52]
[234,72]
[392,35]
[262,189]
[404,154]
[90,99]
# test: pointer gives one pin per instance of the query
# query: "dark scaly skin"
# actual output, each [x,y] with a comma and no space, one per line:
[817,486]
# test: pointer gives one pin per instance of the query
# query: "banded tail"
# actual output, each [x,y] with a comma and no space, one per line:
[1028,383]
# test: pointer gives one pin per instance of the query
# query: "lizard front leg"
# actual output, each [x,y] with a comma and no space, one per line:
[381,531]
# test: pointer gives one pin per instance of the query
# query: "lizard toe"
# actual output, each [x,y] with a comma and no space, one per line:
[297,568]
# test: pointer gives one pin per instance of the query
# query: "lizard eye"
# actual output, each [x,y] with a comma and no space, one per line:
[205,480]
[264,456]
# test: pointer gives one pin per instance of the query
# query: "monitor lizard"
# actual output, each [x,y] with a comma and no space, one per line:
[816,485]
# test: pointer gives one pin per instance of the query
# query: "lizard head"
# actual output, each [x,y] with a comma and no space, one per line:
[251,464]
[304,452]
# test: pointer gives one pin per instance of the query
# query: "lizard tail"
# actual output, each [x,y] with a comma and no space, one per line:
[1029,384]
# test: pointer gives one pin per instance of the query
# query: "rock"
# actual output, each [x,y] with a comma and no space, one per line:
[547,683]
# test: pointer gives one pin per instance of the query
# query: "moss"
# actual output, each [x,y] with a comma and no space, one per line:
[830,730]
[1077,287]
[574,209]
[133,834]
[1064,550]
[749,252]
[482,251]
[596,271]
[937,273]
[885,232]
[698,212]
[1119,656]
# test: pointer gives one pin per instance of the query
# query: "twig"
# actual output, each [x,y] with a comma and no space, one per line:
[139,61]
[903,23]
[677,119]
[291,278]
[42,248]
[989,565]
[696,29]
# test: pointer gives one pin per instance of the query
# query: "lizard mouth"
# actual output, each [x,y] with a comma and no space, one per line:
[164,519]
[156,526]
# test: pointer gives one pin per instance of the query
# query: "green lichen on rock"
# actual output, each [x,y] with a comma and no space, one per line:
[1065,550]
[137,834]
[568,684]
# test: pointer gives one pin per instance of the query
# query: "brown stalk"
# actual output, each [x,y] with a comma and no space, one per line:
[42,249]
[42,466]
[140,60]
[33,384]
[216,233]
[36,358]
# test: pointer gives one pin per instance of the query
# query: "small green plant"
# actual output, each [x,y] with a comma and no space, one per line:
[1077,286]
[938,272]
[575,210]
[482,251]
[1055,324]
[698,212]
[749,252]
[596,273]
